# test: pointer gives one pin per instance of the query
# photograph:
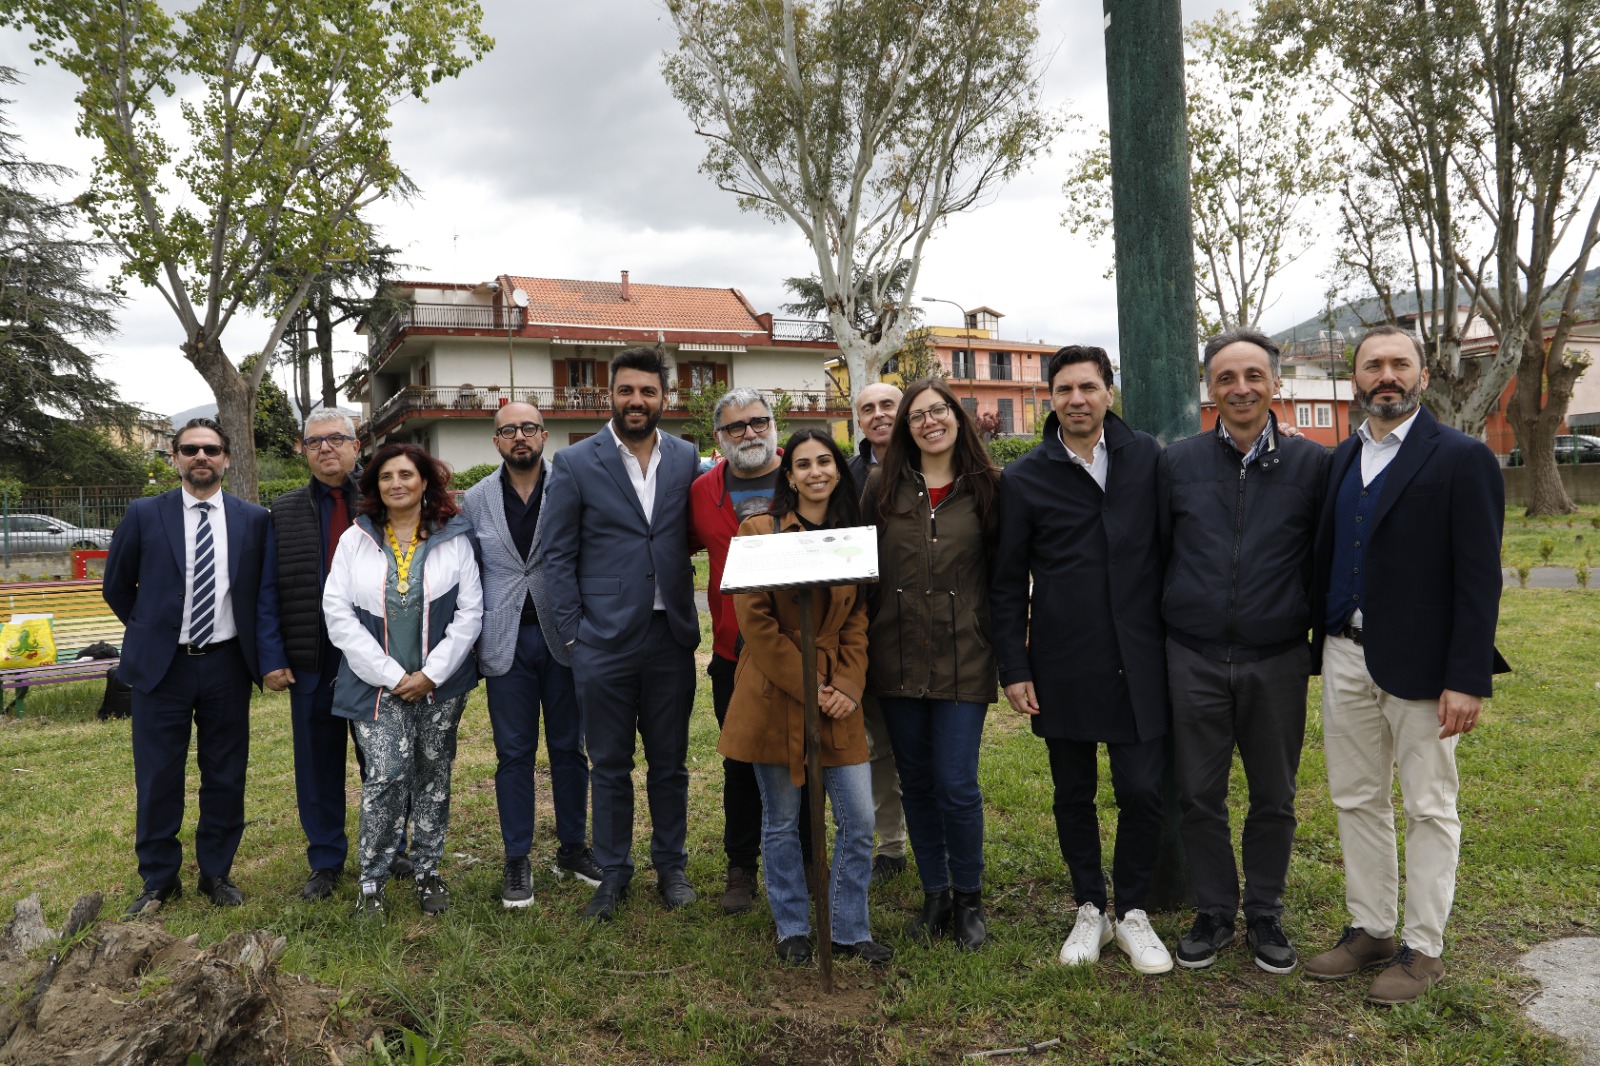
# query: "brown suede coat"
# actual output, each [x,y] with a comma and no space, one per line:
[766,716]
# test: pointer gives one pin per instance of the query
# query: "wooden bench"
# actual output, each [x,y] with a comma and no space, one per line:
[80,618]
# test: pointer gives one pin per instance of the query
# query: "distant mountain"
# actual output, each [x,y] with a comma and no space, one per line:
[205,410]
[1348,319]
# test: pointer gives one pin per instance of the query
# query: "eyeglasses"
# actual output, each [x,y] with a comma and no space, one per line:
[336,440]
[938,411]
[737,429]
[189,451]
[527,429]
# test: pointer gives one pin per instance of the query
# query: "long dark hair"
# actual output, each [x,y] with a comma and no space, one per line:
[970,461]
[438,503]
[843,509]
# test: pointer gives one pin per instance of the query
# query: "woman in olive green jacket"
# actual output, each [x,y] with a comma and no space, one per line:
[933,499]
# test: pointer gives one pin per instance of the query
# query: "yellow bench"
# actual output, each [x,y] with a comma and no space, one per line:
[80,618]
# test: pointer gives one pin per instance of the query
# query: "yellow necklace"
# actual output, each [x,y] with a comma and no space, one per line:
[402,559]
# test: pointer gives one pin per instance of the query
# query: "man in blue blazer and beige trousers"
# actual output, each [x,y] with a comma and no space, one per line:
[192,574]
[1406,594]
[616,534]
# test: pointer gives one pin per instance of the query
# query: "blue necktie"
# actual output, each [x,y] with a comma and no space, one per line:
[203,609]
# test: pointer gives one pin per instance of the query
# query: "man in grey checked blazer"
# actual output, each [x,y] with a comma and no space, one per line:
[524,663]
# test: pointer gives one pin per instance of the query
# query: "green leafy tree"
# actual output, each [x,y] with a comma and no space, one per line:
[275,428]
[49,305]
[865,123]
[1264,153]
[283,109]
[1478,123]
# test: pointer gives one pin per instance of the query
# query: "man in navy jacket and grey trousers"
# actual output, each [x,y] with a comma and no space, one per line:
[1407,595]
[616,535]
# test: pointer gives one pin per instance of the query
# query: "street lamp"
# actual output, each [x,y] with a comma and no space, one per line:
[972,354]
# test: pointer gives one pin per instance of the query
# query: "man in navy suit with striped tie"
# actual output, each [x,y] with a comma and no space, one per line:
[192,575]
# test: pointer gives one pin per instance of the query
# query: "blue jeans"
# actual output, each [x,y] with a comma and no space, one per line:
[936,748]
[514,699]
[850,789]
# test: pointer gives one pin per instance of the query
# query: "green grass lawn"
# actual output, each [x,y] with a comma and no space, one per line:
[485,985]
[1565,540]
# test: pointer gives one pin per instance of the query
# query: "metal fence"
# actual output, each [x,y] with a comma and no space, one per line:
[52,520]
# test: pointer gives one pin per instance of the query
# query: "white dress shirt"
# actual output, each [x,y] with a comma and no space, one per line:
[1376,455]
[1099,465]
[222,626]
[644,486]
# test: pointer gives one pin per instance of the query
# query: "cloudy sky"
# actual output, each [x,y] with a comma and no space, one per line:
[563,155]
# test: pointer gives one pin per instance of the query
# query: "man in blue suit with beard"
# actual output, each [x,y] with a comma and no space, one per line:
[620,585]
[192,575]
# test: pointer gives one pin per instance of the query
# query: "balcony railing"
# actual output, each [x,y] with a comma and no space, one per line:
[1011,375]
[556,401]
[801,329]
[442,316]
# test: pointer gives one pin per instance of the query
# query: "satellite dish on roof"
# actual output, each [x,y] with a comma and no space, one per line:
[519,298]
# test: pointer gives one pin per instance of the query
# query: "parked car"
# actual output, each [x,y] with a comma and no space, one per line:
[29,533]
[1570,448]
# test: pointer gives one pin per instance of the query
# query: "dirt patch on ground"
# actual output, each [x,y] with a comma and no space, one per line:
[125,993]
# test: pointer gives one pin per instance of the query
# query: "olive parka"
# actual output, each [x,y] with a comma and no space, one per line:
[766,716]
[930,618]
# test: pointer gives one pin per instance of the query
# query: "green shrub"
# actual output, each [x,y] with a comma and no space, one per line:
[1006,450]
[465,479]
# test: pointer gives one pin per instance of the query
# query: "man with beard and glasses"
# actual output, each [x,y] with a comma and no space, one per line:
[524,662]
[1406,595]
[876,406]
[621,595]
[720,499]
[192,573]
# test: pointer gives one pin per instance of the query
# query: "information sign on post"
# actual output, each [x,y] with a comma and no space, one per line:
[806,561]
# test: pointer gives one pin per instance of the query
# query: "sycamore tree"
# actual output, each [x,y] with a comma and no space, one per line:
[277,142]
[865,123]
[1265,151]
[1480,127]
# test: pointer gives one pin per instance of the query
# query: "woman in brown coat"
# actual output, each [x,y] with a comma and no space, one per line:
[766,716]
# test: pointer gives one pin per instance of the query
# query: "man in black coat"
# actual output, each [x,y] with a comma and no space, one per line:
[308,523]
[1239,508]
[1406,598]
[1083,655]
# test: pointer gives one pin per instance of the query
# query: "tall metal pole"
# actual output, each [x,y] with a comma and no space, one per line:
[1153,228]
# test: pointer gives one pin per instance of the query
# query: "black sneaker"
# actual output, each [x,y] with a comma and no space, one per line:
[578,861]
[432,896]
[1273,951]
[1210,933]
[516,886]
[369,903]
[868,951]
[795,950]
[401,867]
[887,868]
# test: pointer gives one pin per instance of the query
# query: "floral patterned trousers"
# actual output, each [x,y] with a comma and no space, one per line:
[409,749]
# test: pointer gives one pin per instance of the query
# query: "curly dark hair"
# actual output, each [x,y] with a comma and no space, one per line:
[971,460]
[843,507]
[438,502]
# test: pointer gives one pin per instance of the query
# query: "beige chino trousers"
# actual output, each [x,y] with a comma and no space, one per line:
[1368,733]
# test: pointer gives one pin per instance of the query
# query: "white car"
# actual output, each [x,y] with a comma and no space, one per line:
[32,533]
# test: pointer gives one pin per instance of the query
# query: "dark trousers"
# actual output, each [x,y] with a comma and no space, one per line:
[321,743]
[936,746]
[648,690]
[536,679]
[741,797]
[211,691]
[1261,708]
[1136,783]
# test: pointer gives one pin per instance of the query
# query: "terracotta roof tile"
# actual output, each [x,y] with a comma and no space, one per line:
[556,301]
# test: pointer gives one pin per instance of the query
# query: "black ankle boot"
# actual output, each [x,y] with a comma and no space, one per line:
[970,932]
[934,921]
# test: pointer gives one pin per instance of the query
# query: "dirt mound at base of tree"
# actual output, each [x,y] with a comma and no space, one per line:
[124,993]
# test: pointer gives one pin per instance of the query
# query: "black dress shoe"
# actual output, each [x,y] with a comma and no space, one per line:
[150,901]
[887,868]
[675,890]
[934,921]
[869,951]
[221,891]
[603,904]
[320,884]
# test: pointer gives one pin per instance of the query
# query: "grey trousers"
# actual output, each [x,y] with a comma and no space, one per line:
[409,750]
[891,816]
[1260,708]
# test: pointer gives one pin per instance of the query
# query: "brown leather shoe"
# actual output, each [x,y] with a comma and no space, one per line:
[740,894]
[1356,950]
[1409,974]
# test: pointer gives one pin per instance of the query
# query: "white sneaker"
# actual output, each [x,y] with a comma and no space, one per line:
[1090,933]
[1140,943]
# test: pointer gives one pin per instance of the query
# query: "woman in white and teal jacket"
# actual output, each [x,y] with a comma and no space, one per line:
[404,604]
